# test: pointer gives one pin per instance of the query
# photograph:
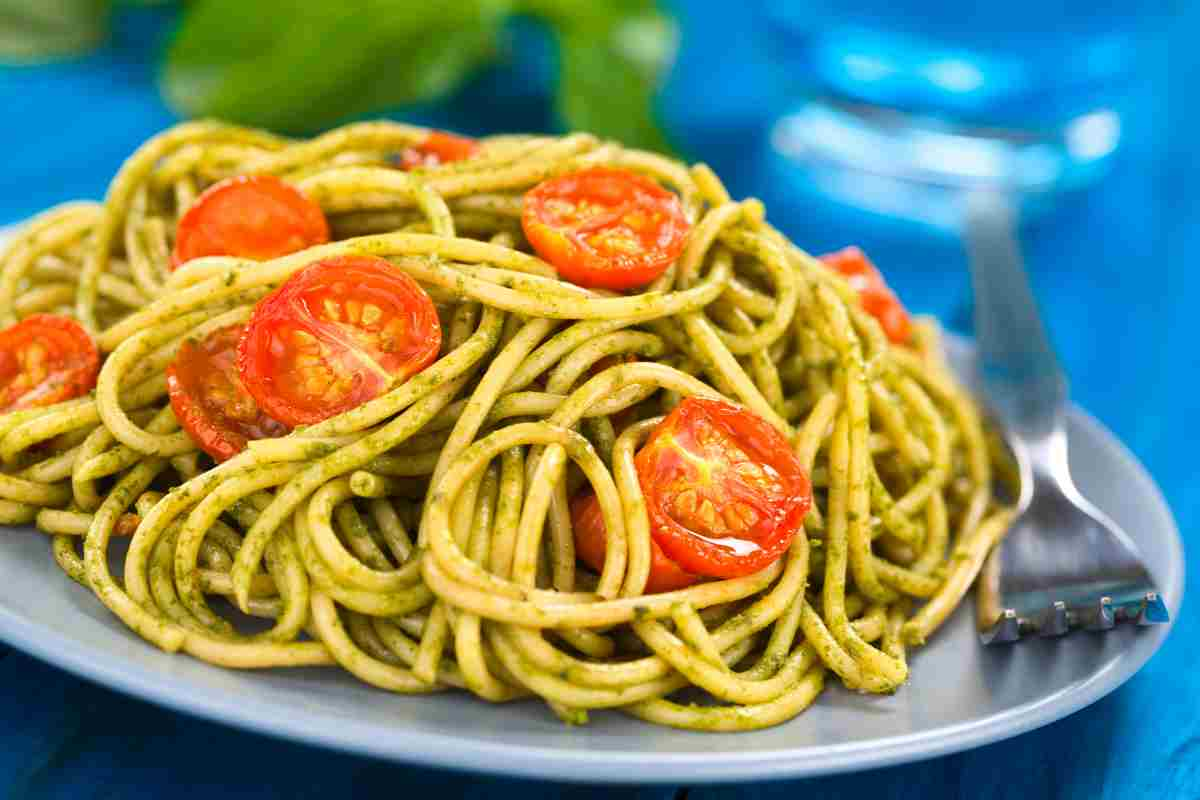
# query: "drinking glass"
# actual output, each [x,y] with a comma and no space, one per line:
[898,100]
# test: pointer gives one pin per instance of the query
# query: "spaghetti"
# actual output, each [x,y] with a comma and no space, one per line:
[425,535]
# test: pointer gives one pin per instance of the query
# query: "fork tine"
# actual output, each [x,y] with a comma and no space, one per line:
[1055,620]
[1006,629]
[1153,611]
[1060,619]
[1101,617]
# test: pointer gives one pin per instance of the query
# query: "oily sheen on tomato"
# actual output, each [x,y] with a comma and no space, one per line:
[209,400]
[336,334]
[605,228]
[249,216]
[725,494]
[45,359]
[876,296]
[587,521]
[439,147]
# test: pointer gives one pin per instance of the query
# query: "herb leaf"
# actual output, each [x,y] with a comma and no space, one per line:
[33,30]
[613,54]
[299,66]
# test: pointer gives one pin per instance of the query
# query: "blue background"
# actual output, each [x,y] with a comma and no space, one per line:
[1115,271]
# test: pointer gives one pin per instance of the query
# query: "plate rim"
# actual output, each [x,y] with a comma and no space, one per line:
[455,753]
[581,766]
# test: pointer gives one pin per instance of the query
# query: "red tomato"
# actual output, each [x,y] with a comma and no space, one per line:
[209,400]
[250,216]
[336,334]
[45,359]
[439,147]
[724,491]
[126,525]
[877,298]
[588,523]
[605,228]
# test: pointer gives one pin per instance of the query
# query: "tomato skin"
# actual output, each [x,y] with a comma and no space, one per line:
[439,147]
[209,400]
[45,359]
[337,333]
[724,491]
[249,216]
[876,296]
[605,228]
[587,520]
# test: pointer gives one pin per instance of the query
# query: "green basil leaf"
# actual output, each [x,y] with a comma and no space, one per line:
[608,84]
[299,66]
[34,30]
[613,55]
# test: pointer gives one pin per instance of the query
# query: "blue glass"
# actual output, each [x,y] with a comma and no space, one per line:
[895,98]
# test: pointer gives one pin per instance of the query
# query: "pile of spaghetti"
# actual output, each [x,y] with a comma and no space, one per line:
[525,415]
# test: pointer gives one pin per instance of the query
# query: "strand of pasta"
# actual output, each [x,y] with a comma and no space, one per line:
[423,540]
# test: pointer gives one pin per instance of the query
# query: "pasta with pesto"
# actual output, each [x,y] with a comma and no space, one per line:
[409,503]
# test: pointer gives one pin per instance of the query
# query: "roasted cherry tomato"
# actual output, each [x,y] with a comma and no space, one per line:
[336,334]
[724,491]
[127,525]
[249,216]
[209,400]
[588,522]
[876,296]
[605,228]
[45,359]
[439,147]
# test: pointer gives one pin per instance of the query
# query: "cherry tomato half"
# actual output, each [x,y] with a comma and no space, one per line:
[605,228]
[249,216]
[724,491]
[439,147]
[336,334]
[587,520]
[45,359]
[209,400]
[876,296]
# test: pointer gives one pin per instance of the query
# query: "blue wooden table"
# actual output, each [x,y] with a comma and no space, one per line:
[1115,270]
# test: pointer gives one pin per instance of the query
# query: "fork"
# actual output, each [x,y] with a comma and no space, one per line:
[1065,565]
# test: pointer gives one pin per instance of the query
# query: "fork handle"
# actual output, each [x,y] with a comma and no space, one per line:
[1021,375]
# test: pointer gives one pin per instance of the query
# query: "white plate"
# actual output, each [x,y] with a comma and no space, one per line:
[960,695]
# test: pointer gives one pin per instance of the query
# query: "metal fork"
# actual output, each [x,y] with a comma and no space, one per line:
[1064,565]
